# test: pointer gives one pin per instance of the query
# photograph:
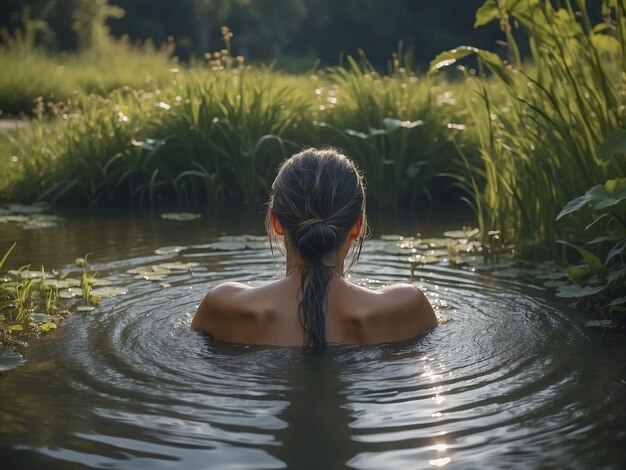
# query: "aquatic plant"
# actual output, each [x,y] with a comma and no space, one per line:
[540,146]
[602,275]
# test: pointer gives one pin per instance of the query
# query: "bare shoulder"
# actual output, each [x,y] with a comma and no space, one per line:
[397,312]
[222,310]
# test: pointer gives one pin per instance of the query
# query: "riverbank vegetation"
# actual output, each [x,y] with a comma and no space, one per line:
[522,137]
[559,136]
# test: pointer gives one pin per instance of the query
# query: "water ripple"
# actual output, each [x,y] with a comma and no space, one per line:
[507,380]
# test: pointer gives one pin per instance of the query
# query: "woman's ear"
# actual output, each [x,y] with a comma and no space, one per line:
[276,225]
[355,231]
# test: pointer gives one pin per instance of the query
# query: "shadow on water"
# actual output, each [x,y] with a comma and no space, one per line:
[317,431]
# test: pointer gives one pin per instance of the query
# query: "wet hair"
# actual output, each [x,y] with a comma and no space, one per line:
[317,196]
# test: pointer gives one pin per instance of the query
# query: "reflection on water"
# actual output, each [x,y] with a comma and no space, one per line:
[508,380]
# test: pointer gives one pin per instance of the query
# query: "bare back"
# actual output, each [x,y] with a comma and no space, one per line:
[268,315]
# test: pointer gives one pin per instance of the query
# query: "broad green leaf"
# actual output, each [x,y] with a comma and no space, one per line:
[618,301]
[9,359]
[486,13]
[617,250]
[45,327]
[450,57]
[614,144]
[613,192]
[601,196]
[592,260]
[578,291]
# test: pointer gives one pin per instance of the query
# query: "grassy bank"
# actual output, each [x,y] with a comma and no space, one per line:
[218,130]
[30,73]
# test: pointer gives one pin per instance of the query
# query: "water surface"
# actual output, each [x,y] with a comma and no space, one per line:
[510,379]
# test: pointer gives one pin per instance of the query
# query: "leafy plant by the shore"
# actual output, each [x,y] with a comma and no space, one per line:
[542,145]
[33,302]
[602,275]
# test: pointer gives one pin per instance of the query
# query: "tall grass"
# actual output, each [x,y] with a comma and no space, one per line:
[540,145]
[29,72]
[219,130]
[399,126]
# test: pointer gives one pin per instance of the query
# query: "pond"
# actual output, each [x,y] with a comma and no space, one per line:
[510,379]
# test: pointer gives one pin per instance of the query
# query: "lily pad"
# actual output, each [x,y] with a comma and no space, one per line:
[256,245]
[152,276]
[27,209]
[9,359]
[40,221]
[392,238]
[556,283]
[437,242]
[574,291]
[180,216]
[457,234]
[599,323]
[61,283]
[109,291]
[553,276]
[41,318]
[169,250]
[177,266]
[231,238]
[395,249]
[70,293]
[28,274]
[15,218]
[228,246]
[508,273]
[439,253]
[85,308]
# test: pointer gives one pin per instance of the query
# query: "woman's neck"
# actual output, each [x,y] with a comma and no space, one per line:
[332,260]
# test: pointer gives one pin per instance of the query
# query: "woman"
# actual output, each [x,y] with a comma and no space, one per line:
[317,211]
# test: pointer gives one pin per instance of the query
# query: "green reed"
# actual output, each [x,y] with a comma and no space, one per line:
[540,144]
[399,126]
[220,129]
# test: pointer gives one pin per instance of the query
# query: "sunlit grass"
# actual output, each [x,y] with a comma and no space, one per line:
[540,143]
[219,129]
[29,73]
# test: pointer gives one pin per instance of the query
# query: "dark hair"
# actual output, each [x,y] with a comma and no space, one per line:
[317,196]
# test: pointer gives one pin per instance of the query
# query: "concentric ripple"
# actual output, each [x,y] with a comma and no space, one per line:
[507,380]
